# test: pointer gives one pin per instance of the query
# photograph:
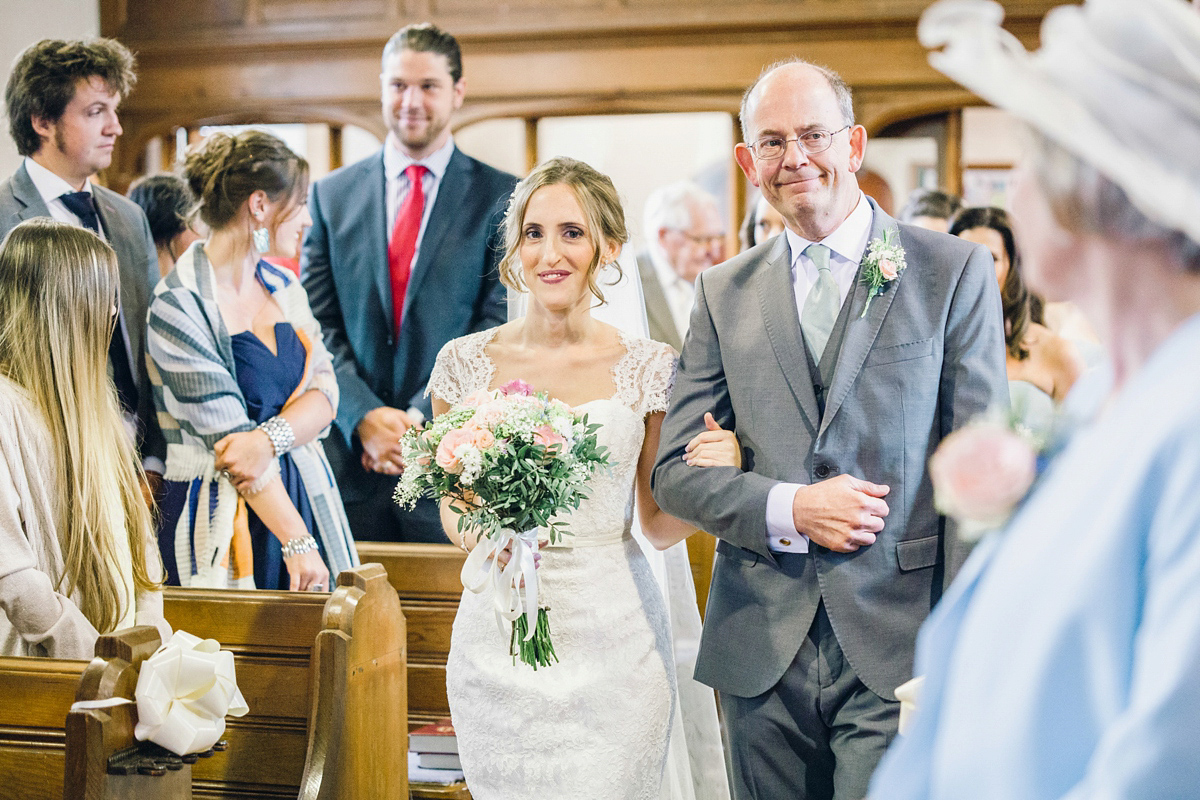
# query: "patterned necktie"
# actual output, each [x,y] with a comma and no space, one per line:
[822,305]
[83,205]
[404,240]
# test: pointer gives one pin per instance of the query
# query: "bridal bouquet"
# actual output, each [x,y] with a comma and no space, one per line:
[512,460]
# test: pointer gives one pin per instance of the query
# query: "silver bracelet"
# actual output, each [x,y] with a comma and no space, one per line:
[280,432]
[298,546]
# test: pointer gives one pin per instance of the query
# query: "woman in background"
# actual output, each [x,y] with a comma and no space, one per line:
[170,209]
[1042,366]
[240,367]
[761,223]
[77,557]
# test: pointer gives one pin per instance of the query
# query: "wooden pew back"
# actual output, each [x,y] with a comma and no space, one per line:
[48,751]
[272,636]
[35,696]
[426,577]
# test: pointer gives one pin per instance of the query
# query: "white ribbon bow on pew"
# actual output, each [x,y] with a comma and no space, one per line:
[184,692]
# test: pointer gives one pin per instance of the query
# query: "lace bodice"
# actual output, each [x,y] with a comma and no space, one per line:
[643,378]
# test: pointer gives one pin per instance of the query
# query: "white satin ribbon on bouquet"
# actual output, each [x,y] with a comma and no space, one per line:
[184,692]
[482,571]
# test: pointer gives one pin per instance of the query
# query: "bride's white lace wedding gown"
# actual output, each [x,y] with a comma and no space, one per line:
[596,724]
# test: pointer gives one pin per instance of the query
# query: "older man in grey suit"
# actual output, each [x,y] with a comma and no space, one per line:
[62,99]
[684,237]
[831,552]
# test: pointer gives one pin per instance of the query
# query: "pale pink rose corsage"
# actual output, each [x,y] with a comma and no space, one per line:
[882,264]
[981,472]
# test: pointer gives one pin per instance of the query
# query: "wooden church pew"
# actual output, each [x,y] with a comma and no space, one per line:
[426,577]
[48,752]
[348,740]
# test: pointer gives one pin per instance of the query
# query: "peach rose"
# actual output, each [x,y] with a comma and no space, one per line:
[888,269]
[483,438]
[980,473]
[446,457]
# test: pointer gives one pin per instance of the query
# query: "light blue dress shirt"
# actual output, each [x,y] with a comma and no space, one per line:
[1064,662]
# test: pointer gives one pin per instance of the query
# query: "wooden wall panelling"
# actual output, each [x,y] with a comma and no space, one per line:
[303,61]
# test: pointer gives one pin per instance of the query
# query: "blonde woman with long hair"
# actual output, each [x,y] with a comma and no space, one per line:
[77,557]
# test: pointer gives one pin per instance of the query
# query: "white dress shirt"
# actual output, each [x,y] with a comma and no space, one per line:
[395,161]
[680,293]
[52,187]
[846,247]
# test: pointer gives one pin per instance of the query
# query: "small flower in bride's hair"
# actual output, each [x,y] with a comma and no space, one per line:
[516,386]
[980,473]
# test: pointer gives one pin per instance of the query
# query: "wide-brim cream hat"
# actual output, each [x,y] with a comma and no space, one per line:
[1116,83]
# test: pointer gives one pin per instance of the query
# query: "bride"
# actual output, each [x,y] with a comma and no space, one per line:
[597,723]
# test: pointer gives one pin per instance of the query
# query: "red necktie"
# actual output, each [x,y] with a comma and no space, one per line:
[404,240]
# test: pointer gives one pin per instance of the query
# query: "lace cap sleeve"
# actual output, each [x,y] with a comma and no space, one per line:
[461,368]
[646,375]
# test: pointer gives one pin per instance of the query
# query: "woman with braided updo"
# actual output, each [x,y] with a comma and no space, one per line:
[239,367]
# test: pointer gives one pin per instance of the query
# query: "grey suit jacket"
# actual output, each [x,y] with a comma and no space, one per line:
[926,358]
[454,290]
[658,310]
[127,231]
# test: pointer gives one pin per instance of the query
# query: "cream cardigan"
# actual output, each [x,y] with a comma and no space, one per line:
[37,619]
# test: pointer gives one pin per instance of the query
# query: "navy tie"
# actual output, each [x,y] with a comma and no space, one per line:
[82,205]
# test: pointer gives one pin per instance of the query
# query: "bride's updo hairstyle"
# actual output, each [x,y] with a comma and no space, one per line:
[223,171]
[597,197]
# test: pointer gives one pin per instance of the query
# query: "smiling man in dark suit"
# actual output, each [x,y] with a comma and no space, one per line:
[400,259]
[62,99]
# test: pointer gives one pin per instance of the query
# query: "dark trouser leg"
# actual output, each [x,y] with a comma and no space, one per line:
[377,518]
[816,735]
[861,724]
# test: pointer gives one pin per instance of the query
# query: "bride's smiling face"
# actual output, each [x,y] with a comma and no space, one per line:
[557,248]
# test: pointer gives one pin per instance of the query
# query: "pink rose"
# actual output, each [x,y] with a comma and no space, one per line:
[516,386]
[546,436]
[446,458]
[489,415]
[476,399]
[483,438]
[980,473]
[888,269]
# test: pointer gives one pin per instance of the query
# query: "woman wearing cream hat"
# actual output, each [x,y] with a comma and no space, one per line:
[1064,662]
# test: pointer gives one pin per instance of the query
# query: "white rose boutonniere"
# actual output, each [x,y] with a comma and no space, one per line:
[882,264]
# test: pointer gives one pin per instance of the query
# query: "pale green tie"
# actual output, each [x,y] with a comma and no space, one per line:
[822,305]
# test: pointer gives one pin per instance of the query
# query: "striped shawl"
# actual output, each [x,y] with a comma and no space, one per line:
[192,369]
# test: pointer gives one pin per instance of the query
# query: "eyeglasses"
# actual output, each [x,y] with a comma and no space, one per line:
[770,148]
[704,240]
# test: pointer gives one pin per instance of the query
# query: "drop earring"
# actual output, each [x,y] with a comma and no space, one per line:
[262,239]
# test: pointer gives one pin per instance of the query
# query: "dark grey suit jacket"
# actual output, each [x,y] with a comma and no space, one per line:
[454,290]
[926,358]
[127,231]
[658,310]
